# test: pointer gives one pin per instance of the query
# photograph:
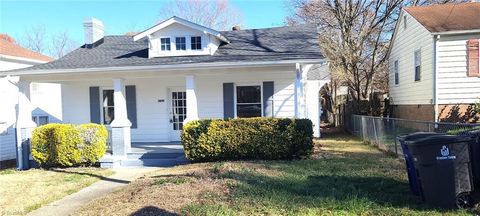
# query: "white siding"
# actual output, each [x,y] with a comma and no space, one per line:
[45,98]
[406,41]
[153,116]
[9,99]
[454,86]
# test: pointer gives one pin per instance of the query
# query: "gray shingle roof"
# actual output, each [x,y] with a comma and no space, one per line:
[272,44]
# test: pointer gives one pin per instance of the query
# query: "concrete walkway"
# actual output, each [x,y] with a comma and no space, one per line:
[72,202]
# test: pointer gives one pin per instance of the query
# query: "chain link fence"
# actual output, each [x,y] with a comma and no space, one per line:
[382,132]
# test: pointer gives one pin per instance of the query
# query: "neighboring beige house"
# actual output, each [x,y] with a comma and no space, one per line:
[434,65]
[46,98]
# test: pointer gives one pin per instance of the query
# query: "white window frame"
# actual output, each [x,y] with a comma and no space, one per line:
[415,65]
[201,43]
[175,42]
[102,108]
[36,119]
[170,44]
[396,73]
[235,85]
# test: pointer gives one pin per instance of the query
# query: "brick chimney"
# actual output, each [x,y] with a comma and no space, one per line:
[94,32]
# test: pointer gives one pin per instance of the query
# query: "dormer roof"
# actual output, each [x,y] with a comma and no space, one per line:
[183,22]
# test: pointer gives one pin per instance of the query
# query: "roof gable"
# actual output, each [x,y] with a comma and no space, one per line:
[447,17]
[183,22]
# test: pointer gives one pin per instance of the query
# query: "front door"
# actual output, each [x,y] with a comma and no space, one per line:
[178,113]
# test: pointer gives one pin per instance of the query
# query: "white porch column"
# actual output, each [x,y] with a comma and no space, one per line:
[297,89]
[25,124]
[192,106]
[313,109]
[121,137]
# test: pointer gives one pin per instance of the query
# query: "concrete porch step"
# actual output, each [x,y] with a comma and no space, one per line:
[144,160]
[153,155]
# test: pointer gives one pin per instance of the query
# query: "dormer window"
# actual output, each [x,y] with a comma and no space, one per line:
[180,43]
[165,44]
[196,43]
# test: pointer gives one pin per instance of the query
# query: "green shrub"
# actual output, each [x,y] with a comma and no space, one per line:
[66,145]
[247,138]
[94,143]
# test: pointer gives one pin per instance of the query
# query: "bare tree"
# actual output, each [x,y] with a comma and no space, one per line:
[215,14]
[35,39]
[354,35]
[61,44]
[55,45]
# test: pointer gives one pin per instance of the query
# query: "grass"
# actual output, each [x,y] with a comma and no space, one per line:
[343,177]
[24,191]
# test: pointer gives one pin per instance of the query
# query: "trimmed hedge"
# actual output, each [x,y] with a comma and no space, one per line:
[247,138]
[66,145]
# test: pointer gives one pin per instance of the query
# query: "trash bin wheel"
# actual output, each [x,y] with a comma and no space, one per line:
[464,200]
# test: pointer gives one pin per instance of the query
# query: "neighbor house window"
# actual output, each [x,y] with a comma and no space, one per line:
[196,43]
[180,43]
[249,101]
[397,81]
[165,44]
[40,120]
[418,63]
[108,108]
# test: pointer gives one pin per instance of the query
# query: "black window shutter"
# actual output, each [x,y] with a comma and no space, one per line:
[268,90]
[228,103]
[95,104]
[131,97]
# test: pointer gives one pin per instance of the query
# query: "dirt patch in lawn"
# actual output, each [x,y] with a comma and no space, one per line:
[161,192]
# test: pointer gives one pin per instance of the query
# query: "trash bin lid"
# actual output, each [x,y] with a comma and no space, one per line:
[439,140]
[418,135]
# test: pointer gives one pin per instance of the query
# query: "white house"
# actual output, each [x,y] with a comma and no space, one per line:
[433,62]
[147,86]
[45,98]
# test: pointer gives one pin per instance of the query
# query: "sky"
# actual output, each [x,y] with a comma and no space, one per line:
[120,16]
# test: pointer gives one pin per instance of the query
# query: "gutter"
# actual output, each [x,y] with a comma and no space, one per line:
[457,32]
[164,67]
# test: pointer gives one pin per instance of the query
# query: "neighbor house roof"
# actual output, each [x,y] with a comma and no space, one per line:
[254,45]
[9,47]
[447,17]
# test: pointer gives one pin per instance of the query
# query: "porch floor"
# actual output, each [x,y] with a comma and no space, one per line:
[157,147]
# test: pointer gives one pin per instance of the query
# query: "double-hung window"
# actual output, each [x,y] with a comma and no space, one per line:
[418,63]
[249,101]
[180,43]
[395,65]
[40,120]
[108,107]
[196,43]
[165,44]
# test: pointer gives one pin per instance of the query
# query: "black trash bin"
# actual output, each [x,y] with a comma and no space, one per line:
[413,180]
[474,154]
[444,170]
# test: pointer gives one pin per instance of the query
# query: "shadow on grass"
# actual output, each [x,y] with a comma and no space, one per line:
[92,175]
[314,190]
[152,210]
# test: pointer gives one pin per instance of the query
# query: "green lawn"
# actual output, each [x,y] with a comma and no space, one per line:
[344,177]
[25,191]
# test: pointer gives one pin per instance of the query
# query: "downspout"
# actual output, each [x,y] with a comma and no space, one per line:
[435,78]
